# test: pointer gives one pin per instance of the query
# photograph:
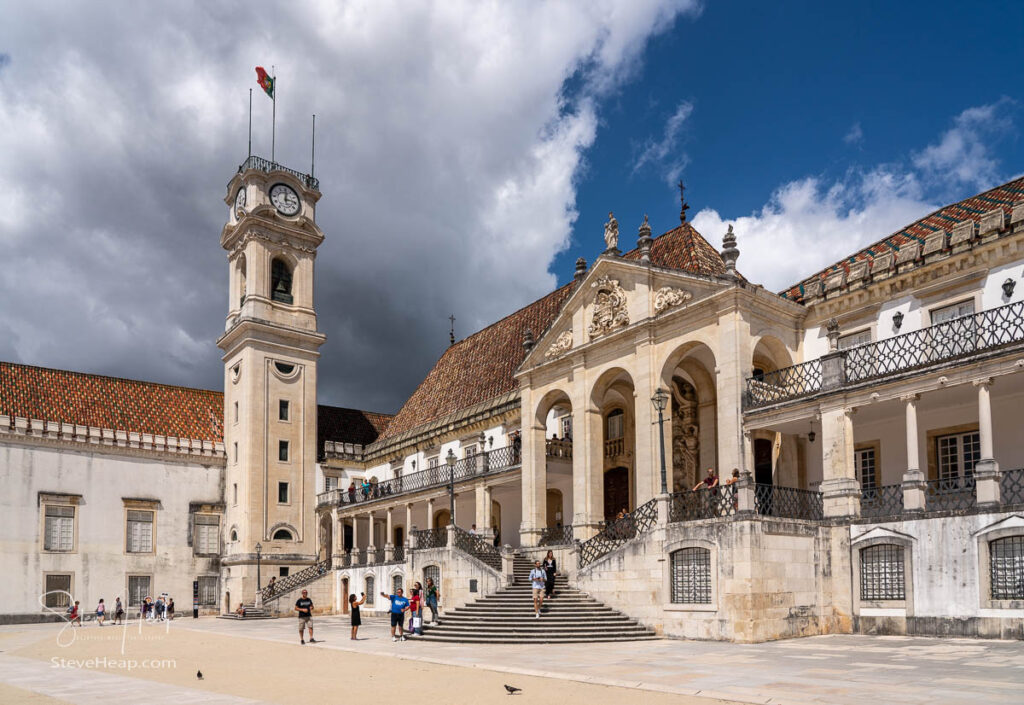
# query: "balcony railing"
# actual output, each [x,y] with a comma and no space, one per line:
[788,502]
[614,447]
[431,538]
[706,503]
[617,532]
[943,342]
[486,463]
[950,493]
[883,501]
[262,164]
[1011,487]
[558,536]
[558,447]
[479,548]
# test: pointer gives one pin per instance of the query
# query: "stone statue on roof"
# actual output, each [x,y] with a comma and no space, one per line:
[611,233]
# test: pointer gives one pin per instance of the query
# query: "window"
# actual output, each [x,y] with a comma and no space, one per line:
[282,572]
[954,330]
[370,596]
[691,576]
[207,534]
[234,493]
[881,573]
[208,589]
[957,454]
[330,483]
[60,528]
[282,535]
[470,451]
[396,583]
[140,531]
[282,410]
[284,368]
[282,493]
[138,589]
[280,281]
[433,572]
[616,424]
[1006,568]
[58,590]
[282,451]
[432,462]
[566,426]
[867,473]
[234,452]
[948,313]
[236,412]
[853,340]
[234,535]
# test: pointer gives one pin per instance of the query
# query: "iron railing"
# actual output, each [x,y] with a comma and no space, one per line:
[295,580]
[478,548]
[1011,487]
[344,561]
[780,385]
[558,447]
[950,493]
[254,162]
[706,503]
[883,501]
[398,554]
[489,462]
[788,502]
[431,538]
[375,557]
[558,536]
[617,532]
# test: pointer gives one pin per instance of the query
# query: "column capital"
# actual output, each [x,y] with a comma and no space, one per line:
[983,382]
[910,397]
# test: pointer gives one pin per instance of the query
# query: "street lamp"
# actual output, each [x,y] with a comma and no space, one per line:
[660,401]
[450,459]
[259,551]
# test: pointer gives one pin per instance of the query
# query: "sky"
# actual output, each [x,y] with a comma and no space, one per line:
[468,153]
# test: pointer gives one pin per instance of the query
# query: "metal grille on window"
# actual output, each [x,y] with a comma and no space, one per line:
[691,576]
[208,589]
[396,583]
[330,483]
[434,573]
[58,590]
[369,591]
[207,533]
[881,573]
[60,528]
[140,531]
[865,460]
[138,589]
[1006,568]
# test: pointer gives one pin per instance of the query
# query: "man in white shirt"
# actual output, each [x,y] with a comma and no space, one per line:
[537,578]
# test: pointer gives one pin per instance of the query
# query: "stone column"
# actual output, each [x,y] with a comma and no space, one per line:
[430,513]
[839,487]
[913,459]
[408,524]
[483,512]
[535,479]
[746,500]
[371,545]
[986,470]
[337,538]
[735,365]
[356,551]
[587,472]
[646,462]
[389,545]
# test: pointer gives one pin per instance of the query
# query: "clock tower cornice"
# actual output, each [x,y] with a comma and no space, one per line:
[264,223]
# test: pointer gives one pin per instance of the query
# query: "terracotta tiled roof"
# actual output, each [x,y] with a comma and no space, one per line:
[110,402]
[340,425]
[683,248]
[943,219]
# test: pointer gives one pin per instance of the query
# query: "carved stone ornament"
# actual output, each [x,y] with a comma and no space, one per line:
[562,344]
[611,233]
[609,307]
[667,297]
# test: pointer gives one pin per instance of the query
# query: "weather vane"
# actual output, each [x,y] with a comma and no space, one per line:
[451,332]
[683,205]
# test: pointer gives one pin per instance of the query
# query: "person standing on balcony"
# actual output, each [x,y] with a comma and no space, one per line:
[352,492]
[537,579]
[550,567]
[353,608]
[708,482]
[433,598]
[399,606]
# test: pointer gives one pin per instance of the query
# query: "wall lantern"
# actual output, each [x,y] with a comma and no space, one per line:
[897,320]
[811,435]
[1008,287]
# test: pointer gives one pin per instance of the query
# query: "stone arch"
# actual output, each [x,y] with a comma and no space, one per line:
[282,278]
[613,392]
[688,374]
[769,353]
[280,527]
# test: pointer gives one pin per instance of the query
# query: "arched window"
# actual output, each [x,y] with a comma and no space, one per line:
[280,281]
[234,535]
[882,573]
[241,279]
[369,591]
[1006,568]
[282,535]
[616,424]
[396,583]
[691,576]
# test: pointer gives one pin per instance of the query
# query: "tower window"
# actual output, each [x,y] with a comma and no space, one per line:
[284,368]
[282,535]
[282,410]
[282,451]
[236,412]
[282,492]
[280,281]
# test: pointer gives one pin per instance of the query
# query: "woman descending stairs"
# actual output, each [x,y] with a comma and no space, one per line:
[507,617]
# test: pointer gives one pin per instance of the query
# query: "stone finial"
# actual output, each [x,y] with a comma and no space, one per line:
[581,269]
[832,332]
[528,341]
[730,253]
[611,235]
[644,241]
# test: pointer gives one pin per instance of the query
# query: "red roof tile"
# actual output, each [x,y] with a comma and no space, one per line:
[341,425]
[943,219]
[683,248]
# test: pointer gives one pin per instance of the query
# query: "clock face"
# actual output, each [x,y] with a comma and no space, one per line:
[284,198]
[240,199]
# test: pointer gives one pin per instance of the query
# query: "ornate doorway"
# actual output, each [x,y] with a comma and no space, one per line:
[616,492]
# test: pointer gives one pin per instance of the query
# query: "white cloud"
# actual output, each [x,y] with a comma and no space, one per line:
[447,146]
[663,152]
[855,135]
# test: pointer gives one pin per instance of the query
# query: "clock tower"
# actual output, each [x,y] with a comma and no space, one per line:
[271,346]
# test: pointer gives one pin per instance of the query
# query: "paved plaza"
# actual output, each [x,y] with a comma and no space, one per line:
[830,669]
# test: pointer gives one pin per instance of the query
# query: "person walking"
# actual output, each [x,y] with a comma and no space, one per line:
[304,606]
[399,606]
[170,608]
[550,568]
[118,612]
[74,614]
[416,604]
[433,598]
[160,608]
[537,579]
[101,612]
[353,609]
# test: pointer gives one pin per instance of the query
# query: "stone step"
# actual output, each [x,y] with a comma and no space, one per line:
[529,620]
[532,639]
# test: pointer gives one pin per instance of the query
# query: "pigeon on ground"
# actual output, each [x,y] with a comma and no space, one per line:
[199,675]
[512,690]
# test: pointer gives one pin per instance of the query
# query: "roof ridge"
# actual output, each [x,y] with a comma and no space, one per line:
[505,318]
[352,408]
[110,377]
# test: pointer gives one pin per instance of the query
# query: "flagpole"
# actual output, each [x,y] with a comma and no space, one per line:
[273,124]
[250,122]
[312,150]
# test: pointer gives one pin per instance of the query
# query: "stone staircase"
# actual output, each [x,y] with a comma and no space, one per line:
[507,617]
[251,612]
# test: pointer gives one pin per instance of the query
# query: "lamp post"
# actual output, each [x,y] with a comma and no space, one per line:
[259,552]
[450,459]
[660,401]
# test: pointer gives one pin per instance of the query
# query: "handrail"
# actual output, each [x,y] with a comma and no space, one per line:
[617,532]
[780,385]
[477,547]
[254,162]
[296,580]
[558,536]
[430,538]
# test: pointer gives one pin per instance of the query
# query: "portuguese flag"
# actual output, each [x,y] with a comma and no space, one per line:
[265,80]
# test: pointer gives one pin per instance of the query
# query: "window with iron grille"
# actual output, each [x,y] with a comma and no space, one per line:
[1006,568]
[958,454]
[58,590]
[208,589]
[206,536]
[60,528]
[396,583]
[866,468]
[140,531]
[138,589]
[691,576]
[433,572]
[369,591]
[881,573]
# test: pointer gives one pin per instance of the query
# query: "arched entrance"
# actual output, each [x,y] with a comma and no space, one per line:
[616,492]
[555,508]
[689,376]
[344,595]
[442,518]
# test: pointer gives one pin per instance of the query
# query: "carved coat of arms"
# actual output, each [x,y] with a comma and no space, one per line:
[609,307]
[667,297]
[562,344]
